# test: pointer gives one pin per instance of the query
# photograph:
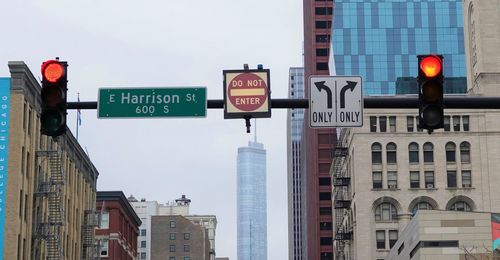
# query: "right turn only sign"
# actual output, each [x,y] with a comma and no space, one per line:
[335,101]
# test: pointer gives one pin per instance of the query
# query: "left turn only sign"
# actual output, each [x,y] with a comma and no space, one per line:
[246,93]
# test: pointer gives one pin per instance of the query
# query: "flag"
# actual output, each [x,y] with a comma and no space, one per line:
[79,113]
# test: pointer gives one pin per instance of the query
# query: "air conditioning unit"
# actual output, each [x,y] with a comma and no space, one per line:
[393,187]
[430,186]
[466,185]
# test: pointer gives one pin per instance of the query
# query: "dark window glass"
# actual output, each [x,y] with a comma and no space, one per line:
[414,179]
[325,211]
[323,11]
[187,236]
[392,124]
[376,153]
[447,123]
[325,241]
[377,180]
[391,152]
[386,212]
[428,153]
[393,237]
[380,235]
[456,123]
[383,124]
[373,124]
[461,206]
[325,226]
[465,122]
[172,248]
[326,255]
[410,123]
[450,152]
[320,38]
[172,236]
[322,66]
[322,52]
[143,244]
[325,196]
[413,152]
[323,24]
[465,152]
[452,179]
[466,179]
[143,232]
[187,248]
[401,247]
[324,181]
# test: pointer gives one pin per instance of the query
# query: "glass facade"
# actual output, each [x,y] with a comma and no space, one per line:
[380,40]
[252,206]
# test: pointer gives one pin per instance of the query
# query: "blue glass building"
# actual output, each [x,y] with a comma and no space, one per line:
[252,206]
[379,39]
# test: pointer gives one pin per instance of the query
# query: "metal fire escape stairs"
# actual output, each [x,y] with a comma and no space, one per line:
[91,247]
[342,200]
[50,189]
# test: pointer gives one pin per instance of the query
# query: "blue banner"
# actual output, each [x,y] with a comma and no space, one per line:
[4,151]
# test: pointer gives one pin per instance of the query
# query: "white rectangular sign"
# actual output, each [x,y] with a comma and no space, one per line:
[335,101]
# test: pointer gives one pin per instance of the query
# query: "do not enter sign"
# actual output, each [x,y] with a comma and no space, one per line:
[246,93]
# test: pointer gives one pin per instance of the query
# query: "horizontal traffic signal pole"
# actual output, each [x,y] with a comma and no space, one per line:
[461,102]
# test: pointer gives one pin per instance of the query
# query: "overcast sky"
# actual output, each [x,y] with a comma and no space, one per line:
[111,43]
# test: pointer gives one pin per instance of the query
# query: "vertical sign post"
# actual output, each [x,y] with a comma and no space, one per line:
[4,151]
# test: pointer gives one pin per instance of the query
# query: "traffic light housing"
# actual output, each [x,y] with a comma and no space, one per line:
[430,96]
[54,102]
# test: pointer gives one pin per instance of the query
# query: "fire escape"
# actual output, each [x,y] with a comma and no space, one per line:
[342,199]
[50,190]
[90,245]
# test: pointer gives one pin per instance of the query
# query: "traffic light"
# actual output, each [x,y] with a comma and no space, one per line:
[54,89]
[430,95]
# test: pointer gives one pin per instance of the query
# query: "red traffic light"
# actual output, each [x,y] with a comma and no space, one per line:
[52,71]
[431,66]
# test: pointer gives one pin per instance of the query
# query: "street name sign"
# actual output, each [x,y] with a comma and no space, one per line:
[246,93]
[335,101]
[152,102]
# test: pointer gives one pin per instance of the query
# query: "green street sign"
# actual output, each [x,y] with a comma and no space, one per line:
[152,102]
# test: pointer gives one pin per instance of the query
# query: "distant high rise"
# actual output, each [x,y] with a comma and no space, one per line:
[295,121]
[380,40]
[252,206]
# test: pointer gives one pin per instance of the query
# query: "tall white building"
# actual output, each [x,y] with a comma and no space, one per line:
[146,209]
[252,206]
[295,183]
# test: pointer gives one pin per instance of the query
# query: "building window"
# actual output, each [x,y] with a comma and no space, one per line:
[465,152]
[325,226]
[171,236]
[187,236]
[143,244]
[323,11]
[429,179]
[321,52]
[171,248]
[104,224]
[466,179]
[414,179]
[171,258]
[104,247]
[143,255]
[373,124]
[392,124]
[376,153]
[322,66]
[187,248]
[456,123]
[325,211]
[413,153]
[452,179]
[322,38]
[324,181]
[450,152]
[419,129]
[172,224]
[187,258]
[391,153]
[465,122]
[460,206]
[377,180]
[421,205]
[393,237]
[383,123]
[326,256]
[323,24]
[380,235]
[446,123]
[325,241]
[410,126]
[143,232]
[428,153]
[325,196]
[392,180]
[386,212]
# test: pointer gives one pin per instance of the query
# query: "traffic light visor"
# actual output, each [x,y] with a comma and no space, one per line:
[431,66]
[52,71]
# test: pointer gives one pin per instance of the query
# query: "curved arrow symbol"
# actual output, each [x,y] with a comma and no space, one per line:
[350,85]
[321,85]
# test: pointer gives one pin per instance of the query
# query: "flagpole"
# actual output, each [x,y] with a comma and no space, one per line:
[77,117]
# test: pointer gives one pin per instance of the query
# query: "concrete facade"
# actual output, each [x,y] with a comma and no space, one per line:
[176,237]
[387,203]
[26,203]
[446,235]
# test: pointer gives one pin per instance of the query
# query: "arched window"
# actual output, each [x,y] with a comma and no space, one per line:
[391,152]
[376,153]
[413,152]
[421,205]
[465,152]
[450,152]
[461,206]
[428,153]
[386,212]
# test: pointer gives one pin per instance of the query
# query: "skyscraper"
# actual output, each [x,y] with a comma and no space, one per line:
[295,121]
[380,40]
[252,206]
